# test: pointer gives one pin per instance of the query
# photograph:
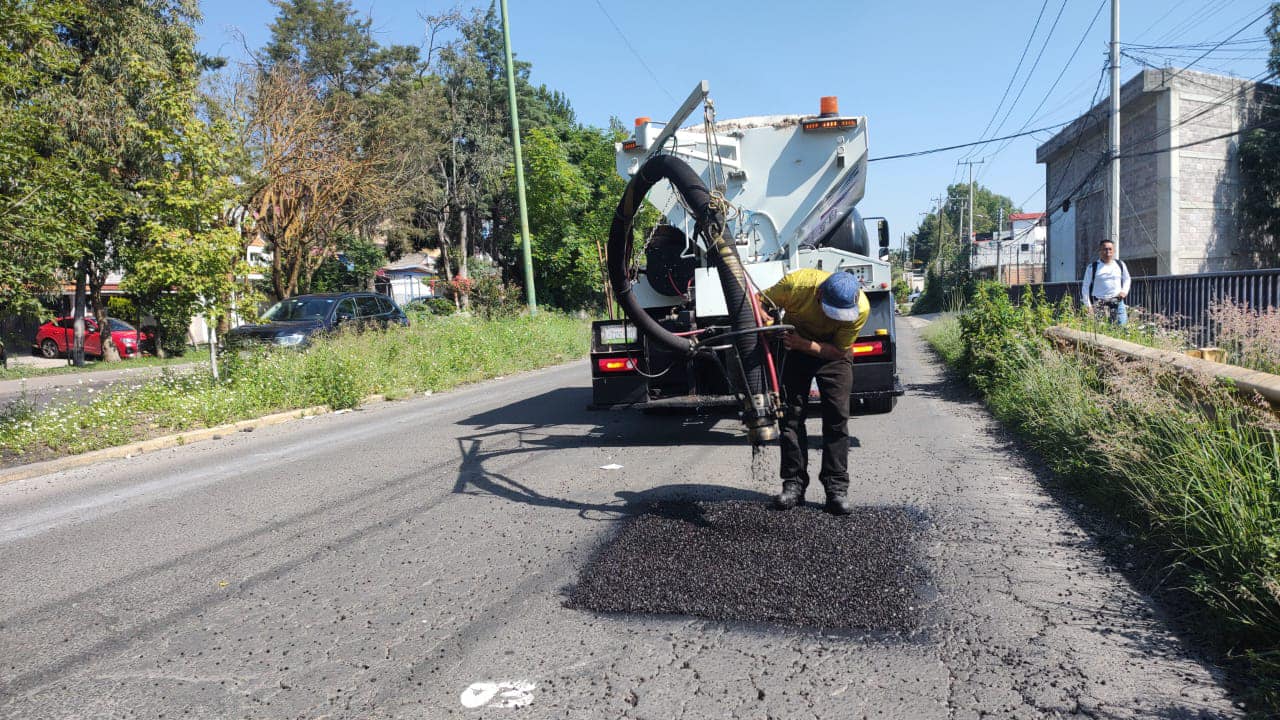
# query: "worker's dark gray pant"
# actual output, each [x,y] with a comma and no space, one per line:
[835,381]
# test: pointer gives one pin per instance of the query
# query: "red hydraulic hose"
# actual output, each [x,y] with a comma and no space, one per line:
[768,351]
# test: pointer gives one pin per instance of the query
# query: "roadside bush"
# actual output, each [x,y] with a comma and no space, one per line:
[491,297]
[173,320]
[994,330]
[332,377]
[440,306]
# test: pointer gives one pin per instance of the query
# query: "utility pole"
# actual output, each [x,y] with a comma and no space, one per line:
[999,243]
[960,226]
[937,252]
[1114,219]
[530,295]
[971,163]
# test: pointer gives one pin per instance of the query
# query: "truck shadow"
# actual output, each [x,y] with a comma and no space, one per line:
[560,420]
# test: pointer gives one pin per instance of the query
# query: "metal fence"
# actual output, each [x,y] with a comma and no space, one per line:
[1183,301]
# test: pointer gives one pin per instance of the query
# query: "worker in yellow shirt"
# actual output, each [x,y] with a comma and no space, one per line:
[827,311]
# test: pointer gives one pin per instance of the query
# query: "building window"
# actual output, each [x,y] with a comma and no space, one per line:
[1026,247]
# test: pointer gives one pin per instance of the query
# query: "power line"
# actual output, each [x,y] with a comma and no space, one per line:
[1260,42]
[1232,36]
[1034,65]
[1164,17]
[1274,124]
[1211,105]
[634,52]
[965,145]
[1090,116]
[1102,162]
[1032,116]
[1016,70]
[1197,17]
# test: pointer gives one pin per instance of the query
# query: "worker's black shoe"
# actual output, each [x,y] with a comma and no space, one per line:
[838,504]
[791,496]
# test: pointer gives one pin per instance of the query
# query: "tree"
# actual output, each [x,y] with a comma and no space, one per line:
[126,103]
[941,244]
[557,200]
[182,273]
[46,205]
[1259,205]
[334,47]
[352,269]
[473,181]
[187,255]
[315,177]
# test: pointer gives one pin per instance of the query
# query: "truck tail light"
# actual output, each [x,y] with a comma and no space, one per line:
[615,365]
[868,349]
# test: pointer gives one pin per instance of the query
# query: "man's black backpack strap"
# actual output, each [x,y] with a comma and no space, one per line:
[1093,273]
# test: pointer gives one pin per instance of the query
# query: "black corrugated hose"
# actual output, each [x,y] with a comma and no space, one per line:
[710,225]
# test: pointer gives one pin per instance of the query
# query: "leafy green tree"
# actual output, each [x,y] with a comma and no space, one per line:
[353,269]
[335,47]
[941,245]
[573,190]
[566,269]
[182,273]
[46,204]
[1259,205]
[187,256]
[128,100]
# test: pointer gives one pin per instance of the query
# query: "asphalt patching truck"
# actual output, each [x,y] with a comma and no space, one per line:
[741,203]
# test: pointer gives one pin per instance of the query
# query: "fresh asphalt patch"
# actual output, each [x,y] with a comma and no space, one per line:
[746,562]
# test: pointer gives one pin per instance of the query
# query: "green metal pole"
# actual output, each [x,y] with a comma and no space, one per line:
[515,142]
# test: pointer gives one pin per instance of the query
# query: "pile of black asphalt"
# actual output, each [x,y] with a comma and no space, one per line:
[745,561]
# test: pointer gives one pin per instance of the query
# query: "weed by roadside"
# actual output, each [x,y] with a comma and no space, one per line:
[1250,337]
[944,334]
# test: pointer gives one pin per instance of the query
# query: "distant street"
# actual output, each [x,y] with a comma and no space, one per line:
[79,386]
[413,559]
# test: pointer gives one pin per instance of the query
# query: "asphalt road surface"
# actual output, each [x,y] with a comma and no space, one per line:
[415,560]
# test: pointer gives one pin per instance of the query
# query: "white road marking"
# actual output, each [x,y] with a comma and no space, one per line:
[498,694]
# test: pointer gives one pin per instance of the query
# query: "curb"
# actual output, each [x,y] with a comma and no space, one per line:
[23,472]
[1266,385]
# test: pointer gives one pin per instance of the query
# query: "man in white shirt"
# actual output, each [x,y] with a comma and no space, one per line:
[1106,283]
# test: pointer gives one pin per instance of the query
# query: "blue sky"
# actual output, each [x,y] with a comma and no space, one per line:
[926,74]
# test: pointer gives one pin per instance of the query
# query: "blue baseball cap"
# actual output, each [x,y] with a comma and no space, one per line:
[839,296]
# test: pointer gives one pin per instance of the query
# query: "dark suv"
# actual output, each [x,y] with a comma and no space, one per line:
[294,321]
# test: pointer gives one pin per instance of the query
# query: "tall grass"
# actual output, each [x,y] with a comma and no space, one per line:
[944,335]
[436,353]
[1250,337]
[1191,464]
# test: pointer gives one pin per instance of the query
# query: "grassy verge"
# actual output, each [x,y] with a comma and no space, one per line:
[944,335]
[1192,468]
[434,354]
[19,372]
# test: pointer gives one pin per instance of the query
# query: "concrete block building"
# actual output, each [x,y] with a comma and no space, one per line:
[1178,204]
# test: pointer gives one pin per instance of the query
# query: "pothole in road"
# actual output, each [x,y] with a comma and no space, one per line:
[744,561]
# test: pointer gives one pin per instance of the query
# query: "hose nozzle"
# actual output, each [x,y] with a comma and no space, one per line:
[761,420]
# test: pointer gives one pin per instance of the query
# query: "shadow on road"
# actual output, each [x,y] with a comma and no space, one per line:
[559,420]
